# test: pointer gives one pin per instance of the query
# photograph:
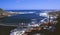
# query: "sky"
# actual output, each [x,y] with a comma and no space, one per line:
[29,4]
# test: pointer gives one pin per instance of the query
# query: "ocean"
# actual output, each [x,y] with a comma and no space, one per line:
[23,18]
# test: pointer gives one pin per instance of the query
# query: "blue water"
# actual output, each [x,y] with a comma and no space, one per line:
[19,18]
[24,10]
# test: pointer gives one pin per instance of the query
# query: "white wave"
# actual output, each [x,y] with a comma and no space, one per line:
[43,14]
[20,12]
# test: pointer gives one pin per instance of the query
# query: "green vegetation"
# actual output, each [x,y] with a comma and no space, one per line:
[1,11]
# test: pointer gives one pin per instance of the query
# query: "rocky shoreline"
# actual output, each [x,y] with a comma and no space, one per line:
[5,30]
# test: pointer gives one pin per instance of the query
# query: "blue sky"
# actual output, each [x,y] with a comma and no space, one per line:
[29,4]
